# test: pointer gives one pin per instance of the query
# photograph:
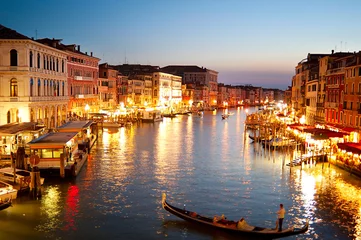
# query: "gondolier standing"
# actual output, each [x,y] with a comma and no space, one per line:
[281,215]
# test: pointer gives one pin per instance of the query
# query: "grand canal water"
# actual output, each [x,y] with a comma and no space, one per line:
[207,163]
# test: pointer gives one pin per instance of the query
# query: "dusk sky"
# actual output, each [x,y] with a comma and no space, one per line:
[248,42]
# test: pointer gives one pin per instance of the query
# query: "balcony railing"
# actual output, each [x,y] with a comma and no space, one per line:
[335,70]
[82,78]
[331,105]
[85,96]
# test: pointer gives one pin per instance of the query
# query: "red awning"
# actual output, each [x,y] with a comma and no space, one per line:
[350,147]
[342,128]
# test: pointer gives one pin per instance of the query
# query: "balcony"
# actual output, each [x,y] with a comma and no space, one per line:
[14,68]
[85,96]
[333,85]
[320,105]
[331,105]
[82,78]
[335,70]
[103,89]
[319,119]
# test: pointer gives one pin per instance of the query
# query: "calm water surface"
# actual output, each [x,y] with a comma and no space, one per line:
[207,163]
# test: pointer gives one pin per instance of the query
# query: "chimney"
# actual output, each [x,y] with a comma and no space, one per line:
[78,48]
[332,51]
[86,53]
[91,54]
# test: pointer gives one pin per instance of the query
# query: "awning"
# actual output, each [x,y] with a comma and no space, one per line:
[350,147]
[341,128]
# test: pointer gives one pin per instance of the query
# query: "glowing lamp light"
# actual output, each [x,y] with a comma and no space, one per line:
[303,119]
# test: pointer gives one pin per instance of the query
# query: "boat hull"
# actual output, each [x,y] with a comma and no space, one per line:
[231,226]
[5,205]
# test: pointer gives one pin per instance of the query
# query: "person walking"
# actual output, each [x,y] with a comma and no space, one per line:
[281,215]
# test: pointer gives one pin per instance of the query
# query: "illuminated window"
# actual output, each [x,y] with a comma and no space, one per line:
[13,88]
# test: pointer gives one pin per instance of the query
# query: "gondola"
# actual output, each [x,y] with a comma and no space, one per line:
[6,204]
[224,116]
[231,227]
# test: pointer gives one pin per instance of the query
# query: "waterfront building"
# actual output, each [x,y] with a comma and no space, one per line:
[83,74]
[187,96]
[223,96]
[33,81]
[306,70]
[199,76]
[352,95]
[107,85]
[122,89]
[82,78]
[136,90]
[311,97]
[240,95]
[201,96]
[267,96]
[164,86]
[140,90]
[232,99]
[321,90]
[335,89]
[288,96]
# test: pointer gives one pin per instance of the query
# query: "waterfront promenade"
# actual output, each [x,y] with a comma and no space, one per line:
[204,162]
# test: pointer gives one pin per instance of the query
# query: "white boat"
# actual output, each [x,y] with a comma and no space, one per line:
[22,177]
[7,191]
[111,124]
[152,116]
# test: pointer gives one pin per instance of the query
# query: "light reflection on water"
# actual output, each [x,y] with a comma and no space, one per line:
[208,164]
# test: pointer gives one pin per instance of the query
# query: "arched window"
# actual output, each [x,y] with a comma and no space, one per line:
[13,88]
[63,89]
[13,57]
[57,89]
[38,60]
[31,87]
[53,64]
[44,58]
[31,59]
[39,87]
[57,65]
[62,66]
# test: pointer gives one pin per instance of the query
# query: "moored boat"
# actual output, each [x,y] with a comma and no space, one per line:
[7,191]
[225,116]
[22,177]
[239,228]
[5,204]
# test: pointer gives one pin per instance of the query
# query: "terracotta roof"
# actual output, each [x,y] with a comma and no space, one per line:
[7,33]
